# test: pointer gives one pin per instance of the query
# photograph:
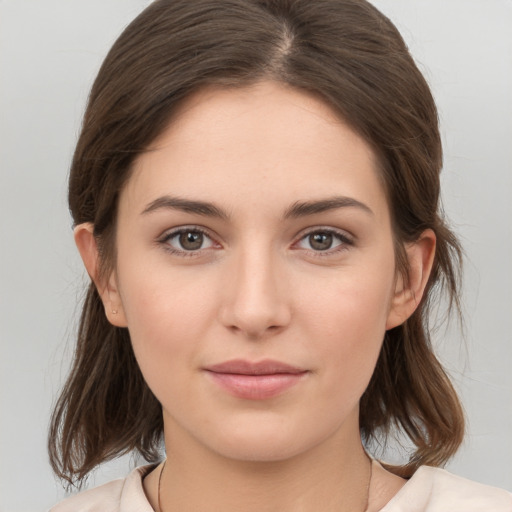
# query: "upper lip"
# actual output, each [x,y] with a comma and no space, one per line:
[265,367]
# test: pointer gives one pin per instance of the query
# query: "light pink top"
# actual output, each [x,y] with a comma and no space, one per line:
[429,490]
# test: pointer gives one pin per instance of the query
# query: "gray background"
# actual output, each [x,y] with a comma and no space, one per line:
[50,51]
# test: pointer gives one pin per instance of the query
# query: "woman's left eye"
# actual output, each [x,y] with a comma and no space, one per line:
[188,240]
[324,241]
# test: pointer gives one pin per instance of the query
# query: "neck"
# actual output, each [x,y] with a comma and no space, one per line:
[331,477]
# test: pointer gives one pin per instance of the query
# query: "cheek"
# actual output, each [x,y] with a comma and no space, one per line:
[347,318]
[167,319]
[352,304]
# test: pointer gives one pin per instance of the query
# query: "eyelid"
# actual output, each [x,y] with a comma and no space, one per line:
[346,239]
[343,236]
[172,232]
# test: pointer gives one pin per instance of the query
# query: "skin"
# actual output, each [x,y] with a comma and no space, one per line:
[259,288]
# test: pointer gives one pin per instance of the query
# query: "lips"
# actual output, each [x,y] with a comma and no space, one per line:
[255,380]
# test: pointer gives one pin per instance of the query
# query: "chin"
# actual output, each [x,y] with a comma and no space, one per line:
[265,441]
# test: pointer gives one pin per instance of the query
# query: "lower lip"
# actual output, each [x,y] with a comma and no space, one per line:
[256,387]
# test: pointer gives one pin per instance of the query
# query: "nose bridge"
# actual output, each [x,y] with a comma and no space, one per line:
[256,301]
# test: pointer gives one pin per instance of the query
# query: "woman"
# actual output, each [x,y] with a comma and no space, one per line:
[256,199]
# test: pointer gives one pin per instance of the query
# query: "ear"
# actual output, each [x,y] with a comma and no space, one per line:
[408,293]
[106,285]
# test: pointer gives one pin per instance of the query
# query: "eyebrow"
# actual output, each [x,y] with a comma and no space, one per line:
[298,209]
[305,208]
[186,205]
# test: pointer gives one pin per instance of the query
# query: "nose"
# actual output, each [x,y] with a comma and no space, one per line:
[256,302]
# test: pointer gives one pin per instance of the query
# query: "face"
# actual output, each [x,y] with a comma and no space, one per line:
[255,272]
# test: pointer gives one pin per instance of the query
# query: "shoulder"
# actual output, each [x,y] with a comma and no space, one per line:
[436,490]
[122,495]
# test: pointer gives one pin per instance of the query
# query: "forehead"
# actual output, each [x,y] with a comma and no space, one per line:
[267,141]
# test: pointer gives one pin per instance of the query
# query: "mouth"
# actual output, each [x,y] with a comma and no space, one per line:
[255,380]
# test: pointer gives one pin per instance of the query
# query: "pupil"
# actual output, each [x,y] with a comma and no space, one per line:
[191,240]
[320,241]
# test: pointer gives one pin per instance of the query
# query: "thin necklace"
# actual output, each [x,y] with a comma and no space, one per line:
[367,487]
[159,482]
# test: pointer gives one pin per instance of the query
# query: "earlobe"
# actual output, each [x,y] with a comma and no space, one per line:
[408,293]
[106,285]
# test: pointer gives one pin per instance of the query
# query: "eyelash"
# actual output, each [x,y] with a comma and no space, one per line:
[344,239]
[164,240]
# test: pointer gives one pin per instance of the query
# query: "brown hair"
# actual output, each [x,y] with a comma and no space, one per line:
[350,55]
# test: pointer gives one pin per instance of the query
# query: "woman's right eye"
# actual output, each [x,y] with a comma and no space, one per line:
[188,240]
